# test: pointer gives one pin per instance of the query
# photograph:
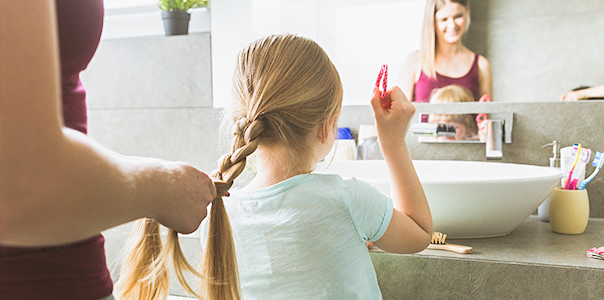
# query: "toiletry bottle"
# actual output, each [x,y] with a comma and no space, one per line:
[567,160]
[369,146]
[344,148]
[554,162]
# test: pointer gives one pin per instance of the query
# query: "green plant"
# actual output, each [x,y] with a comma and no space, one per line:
[181,5]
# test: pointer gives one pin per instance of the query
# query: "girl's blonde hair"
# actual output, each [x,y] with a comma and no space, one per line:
[284,87]
[428,46]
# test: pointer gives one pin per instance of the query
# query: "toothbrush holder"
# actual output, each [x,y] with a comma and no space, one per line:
[569,211]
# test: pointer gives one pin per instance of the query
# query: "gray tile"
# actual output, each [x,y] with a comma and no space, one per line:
[188,135]
[151,72]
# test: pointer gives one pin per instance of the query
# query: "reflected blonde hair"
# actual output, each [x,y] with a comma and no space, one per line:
[451,93]
[284,88]
[428,46]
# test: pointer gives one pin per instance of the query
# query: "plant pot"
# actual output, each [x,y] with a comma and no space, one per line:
[176,22]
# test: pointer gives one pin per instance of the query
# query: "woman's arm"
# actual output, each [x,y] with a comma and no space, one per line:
[410,229]
[409,74]
[485,77]
[57,185]
[593,92]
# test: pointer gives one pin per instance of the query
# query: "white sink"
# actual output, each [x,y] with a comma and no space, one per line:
[467,199]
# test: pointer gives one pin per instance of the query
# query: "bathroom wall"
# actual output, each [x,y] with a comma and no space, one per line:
[538,49]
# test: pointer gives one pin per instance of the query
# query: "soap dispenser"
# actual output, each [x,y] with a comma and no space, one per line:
[554,162]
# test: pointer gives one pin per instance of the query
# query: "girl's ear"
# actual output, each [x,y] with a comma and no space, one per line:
[327,128]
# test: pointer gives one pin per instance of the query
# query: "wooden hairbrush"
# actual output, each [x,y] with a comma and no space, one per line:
[438,243]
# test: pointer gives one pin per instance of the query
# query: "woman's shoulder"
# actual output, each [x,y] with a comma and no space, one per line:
[483,62]
[411,70]
[413,59]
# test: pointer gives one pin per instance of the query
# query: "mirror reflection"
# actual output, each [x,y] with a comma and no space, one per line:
[536,51]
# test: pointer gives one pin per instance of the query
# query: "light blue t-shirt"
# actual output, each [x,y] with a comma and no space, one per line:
[304,238]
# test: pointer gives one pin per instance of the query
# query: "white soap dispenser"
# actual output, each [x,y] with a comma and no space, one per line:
[554,162]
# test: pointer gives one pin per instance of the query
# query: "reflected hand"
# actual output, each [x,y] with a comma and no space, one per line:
[572,96]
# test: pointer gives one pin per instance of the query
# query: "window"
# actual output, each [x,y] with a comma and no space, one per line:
[138,18]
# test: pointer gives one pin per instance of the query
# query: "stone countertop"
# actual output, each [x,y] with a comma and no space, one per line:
[532,243]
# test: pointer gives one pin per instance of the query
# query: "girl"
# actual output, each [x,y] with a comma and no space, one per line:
[299,234]
[443,59]
[465,124]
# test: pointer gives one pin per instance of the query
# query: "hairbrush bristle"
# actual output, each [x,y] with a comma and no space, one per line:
[438,238]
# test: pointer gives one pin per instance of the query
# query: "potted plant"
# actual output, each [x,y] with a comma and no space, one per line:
[176,16]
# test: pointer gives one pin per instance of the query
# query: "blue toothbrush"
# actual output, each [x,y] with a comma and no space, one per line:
[598,162]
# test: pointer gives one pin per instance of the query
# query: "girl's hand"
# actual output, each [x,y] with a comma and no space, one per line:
[392,122]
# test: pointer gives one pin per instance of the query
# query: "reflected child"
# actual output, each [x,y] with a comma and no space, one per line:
[465,124]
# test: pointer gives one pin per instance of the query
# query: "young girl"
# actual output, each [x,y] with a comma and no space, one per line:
[465,124]
[299,234]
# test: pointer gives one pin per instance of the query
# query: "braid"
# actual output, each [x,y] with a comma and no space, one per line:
[245,143]
[219,265]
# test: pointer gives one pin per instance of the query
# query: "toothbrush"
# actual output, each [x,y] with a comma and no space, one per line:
[573,184]
[570,174]
[584,156]
[598,162]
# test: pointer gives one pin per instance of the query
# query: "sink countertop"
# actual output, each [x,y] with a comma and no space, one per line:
[532,243]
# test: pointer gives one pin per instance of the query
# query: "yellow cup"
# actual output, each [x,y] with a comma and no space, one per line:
[569,211]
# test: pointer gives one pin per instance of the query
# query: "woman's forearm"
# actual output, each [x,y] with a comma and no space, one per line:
[594,92]
[71,190]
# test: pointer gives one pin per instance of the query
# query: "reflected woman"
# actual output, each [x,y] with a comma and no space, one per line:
[443,59]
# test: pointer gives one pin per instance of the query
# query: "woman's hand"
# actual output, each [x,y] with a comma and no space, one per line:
[185,194]
[573,96]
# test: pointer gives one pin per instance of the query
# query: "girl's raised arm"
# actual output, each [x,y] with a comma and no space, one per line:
[410,229]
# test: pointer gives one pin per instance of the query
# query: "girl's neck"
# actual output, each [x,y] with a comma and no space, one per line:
[274,165]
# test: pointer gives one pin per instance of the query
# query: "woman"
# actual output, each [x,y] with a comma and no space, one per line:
[443,59]
[58,188]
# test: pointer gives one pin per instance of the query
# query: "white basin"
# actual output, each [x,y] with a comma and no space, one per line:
[467,199]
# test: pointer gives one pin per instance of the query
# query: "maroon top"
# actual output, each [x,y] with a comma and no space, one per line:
[78,270]
[425,84]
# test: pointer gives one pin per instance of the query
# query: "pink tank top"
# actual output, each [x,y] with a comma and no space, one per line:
[425,85]
[78,270]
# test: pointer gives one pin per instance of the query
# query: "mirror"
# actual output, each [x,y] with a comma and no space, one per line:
[460,128]
[538,50]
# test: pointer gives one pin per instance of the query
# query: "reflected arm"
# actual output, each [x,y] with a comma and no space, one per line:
[485,77]
[409,74]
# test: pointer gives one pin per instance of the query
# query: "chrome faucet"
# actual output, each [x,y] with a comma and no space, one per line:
[494,140]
